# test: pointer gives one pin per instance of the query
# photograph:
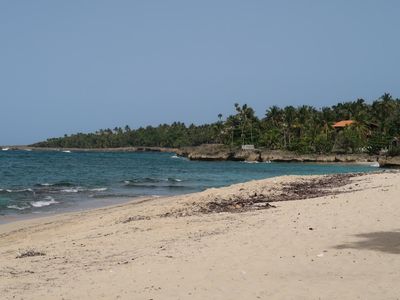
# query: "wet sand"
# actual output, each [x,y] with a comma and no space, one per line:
[291,237]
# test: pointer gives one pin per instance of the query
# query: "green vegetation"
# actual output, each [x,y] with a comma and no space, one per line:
[303,129]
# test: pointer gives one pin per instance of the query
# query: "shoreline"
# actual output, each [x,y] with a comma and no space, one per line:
[117,201]
[86,207]
[38,219]
[219,152]
[209,192]
[223,243]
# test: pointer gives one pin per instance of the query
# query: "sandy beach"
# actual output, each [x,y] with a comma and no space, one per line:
[291,237]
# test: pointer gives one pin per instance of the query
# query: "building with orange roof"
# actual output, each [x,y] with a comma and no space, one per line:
[343,124]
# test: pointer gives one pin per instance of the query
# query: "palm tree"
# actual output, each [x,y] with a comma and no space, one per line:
[289,118]
[274,115]
[382,109]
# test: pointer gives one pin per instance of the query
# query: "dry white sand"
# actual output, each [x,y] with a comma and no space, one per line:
[131,252]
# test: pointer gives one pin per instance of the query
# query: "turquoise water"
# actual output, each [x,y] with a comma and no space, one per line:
[35,182]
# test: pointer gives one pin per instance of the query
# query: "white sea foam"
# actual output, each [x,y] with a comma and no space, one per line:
[67,151]
[5,149]
[375,164]
[179,157]
[17,207]
[16,191]
[250,162]
[98,189]
[173,179]
[46,184]
[48,201]
[70,190]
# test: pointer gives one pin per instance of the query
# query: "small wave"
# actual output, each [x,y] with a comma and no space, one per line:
[98,189]
[250,162]
[17,191]
[48,201]
[44,184]
[80,189]
[66,151]
[5,149]
[149,180]
[166,186]
[375,164]
[17,207]
[174,179]
[70,190]
[57,184]
[179,157]
[141,180]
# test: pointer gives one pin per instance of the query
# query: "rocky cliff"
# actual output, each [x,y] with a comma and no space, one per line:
[389,161]
[223,152]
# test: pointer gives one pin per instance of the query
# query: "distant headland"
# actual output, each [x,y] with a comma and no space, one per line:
[354,131]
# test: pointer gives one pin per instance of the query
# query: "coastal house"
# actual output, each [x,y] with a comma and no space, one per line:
[341,144]
[342,124]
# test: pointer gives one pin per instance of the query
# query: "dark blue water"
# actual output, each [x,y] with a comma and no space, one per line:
[34,182]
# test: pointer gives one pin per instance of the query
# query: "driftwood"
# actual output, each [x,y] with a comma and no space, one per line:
[30,253]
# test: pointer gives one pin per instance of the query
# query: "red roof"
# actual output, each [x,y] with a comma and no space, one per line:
[344,123]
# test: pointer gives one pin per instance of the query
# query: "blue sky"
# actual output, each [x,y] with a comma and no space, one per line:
[69,66]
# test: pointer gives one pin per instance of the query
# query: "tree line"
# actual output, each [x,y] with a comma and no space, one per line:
[303,129]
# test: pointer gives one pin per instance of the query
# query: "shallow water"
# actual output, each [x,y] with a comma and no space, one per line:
[39,182]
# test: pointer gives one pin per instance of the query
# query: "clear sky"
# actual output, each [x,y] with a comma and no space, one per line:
[69,66]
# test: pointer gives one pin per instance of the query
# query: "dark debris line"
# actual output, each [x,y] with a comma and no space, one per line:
[312,188]
[30,253]
[297,190]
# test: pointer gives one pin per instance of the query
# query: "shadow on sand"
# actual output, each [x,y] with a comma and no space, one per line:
[384,241]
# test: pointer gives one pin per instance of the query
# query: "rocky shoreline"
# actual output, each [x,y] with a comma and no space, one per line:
[219,152]
[389,161]
[222,152]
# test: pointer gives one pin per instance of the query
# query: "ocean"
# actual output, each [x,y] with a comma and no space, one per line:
[42,182]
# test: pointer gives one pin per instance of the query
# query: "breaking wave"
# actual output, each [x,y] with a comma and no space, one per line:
[98,189]
[56,184]
[70,190]
[18,207]
[29,190]
[48,201]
